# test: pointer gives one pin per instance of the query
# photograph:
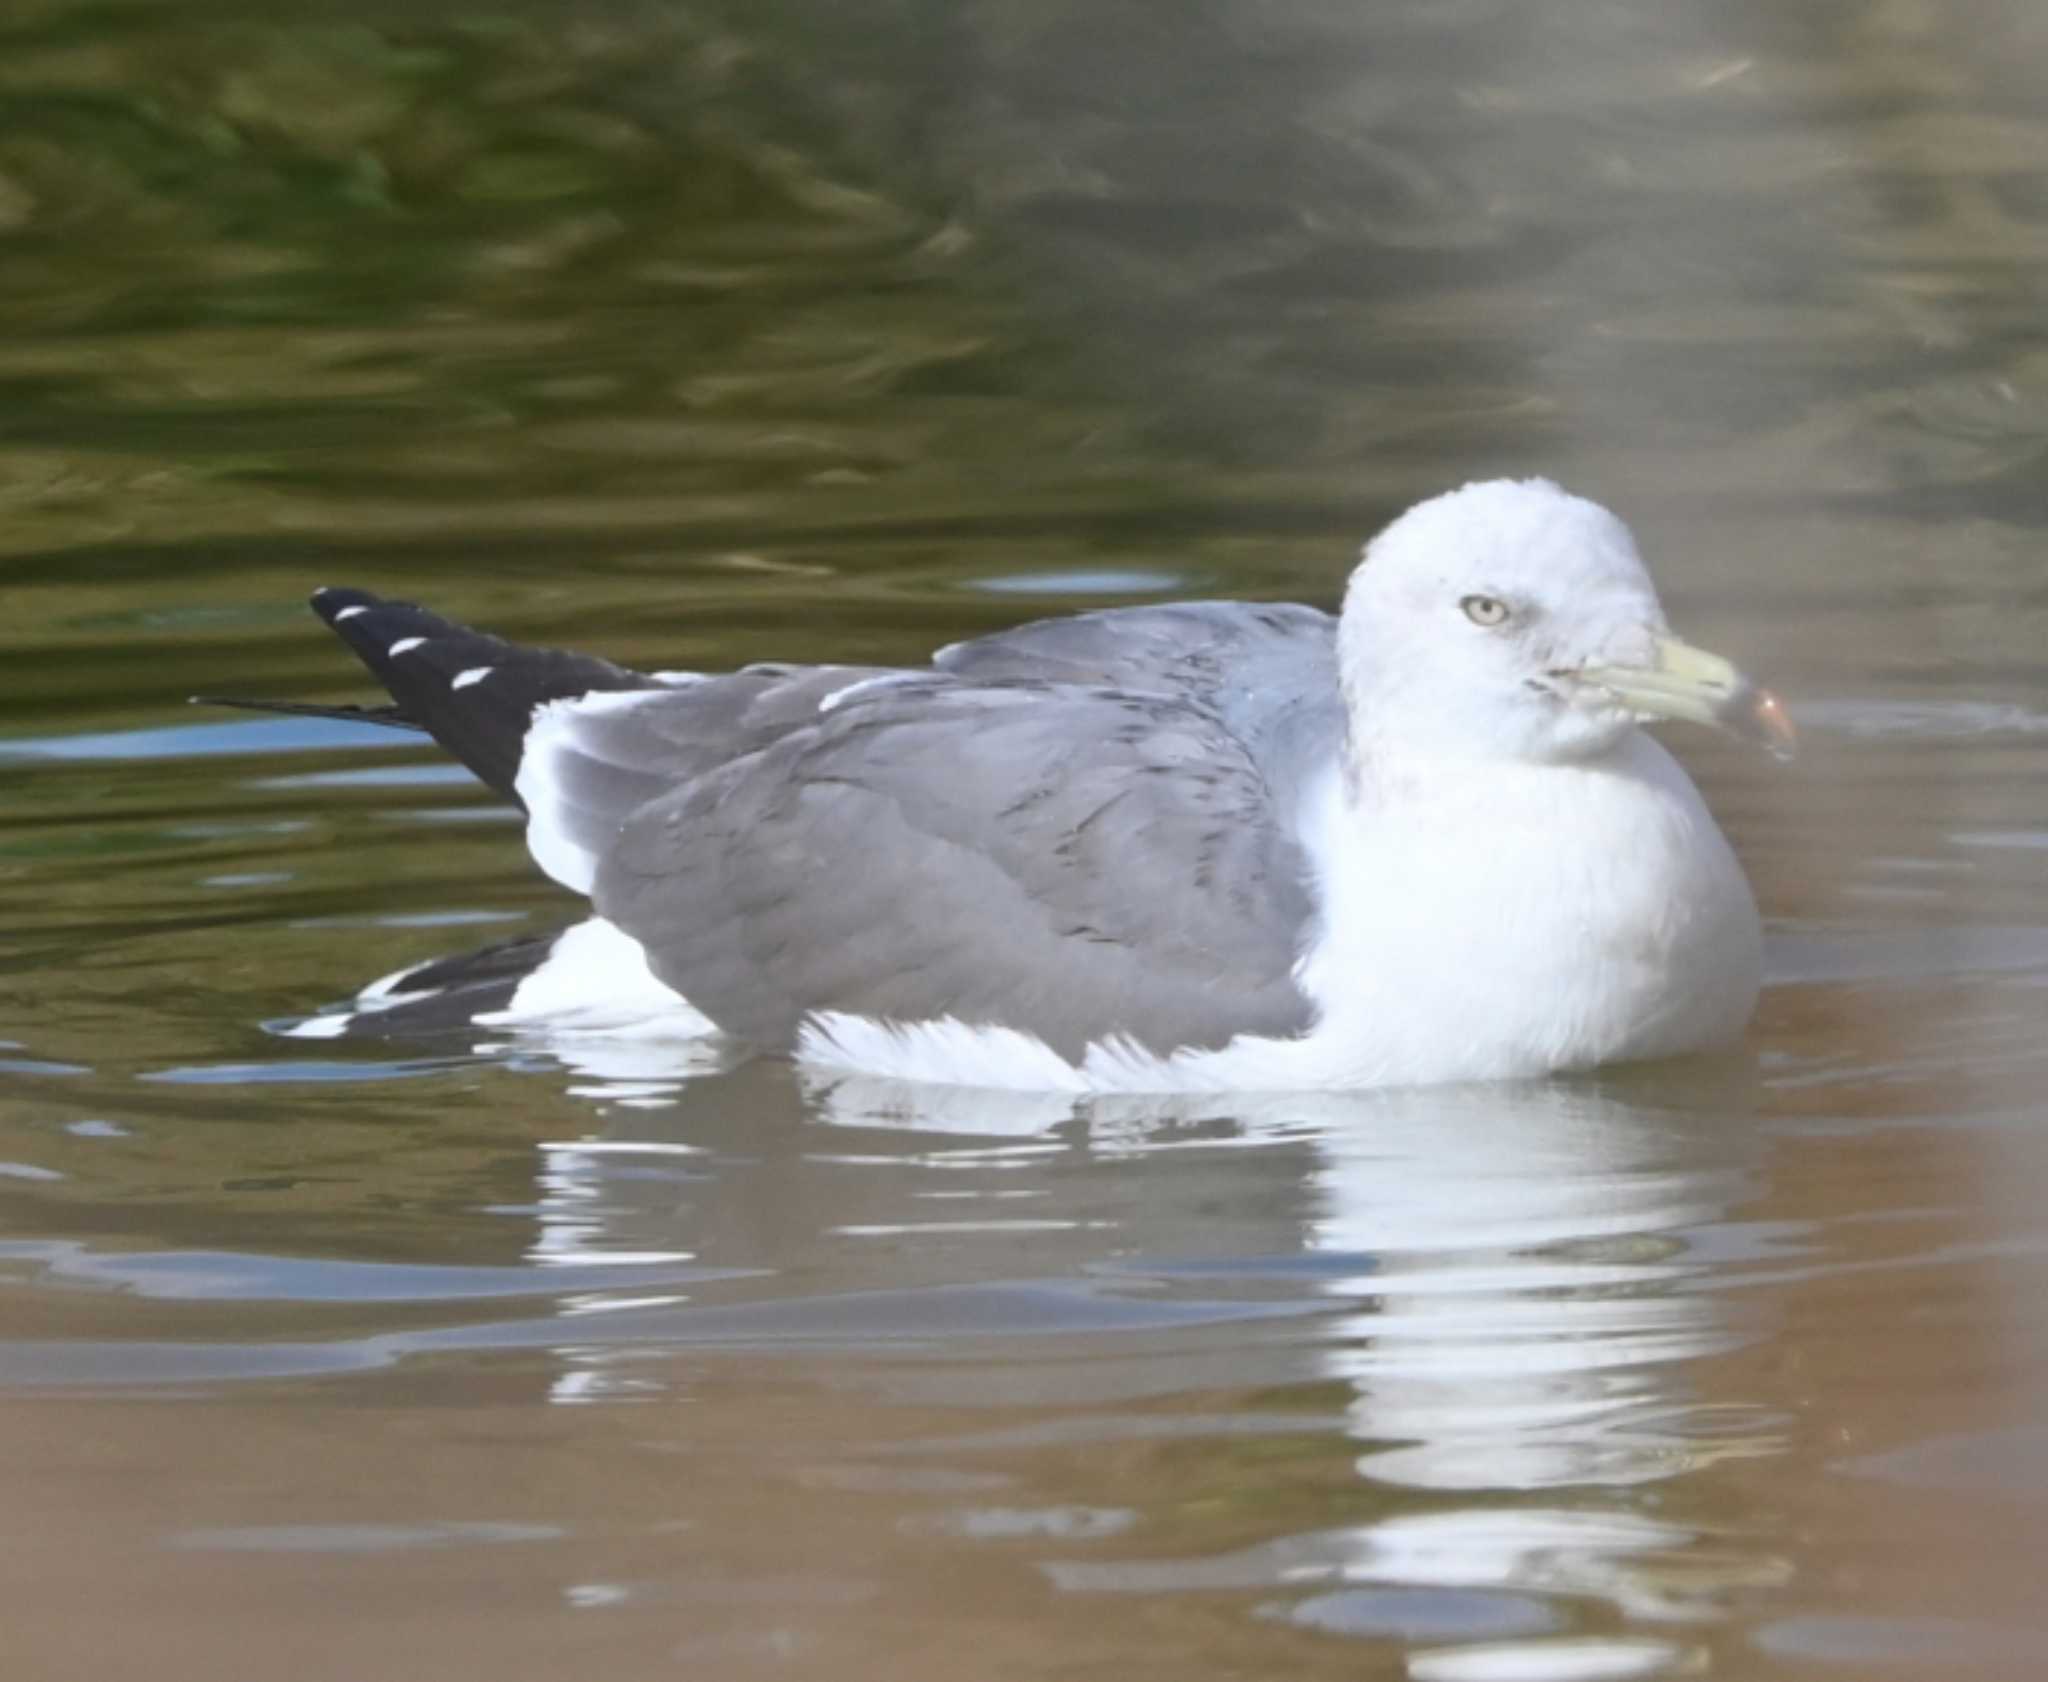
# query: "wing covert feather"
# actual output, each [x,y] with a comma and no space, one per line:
[1069,861]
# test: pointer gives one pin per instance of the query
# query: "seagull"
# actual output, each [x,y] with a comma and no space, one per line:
[1203,846]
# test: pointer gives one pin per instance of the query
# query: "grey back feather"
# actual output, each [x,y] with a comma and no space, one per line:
[1080,828]
[1076,863]
[1267,670]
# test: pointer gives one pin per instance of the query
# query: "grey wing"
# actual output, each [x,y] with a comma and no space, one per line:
[1071,862]
[589,761]
[1268,670]
[1165,647]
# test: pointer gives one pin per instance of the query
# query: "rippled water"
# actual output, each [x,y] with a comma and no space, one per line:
[706,332]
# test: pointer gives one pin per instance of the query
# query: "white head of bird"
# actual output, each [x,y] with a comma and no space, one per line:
[1510,620]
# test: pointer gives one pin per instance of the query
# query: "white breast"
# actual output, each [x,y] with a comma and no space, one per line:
[1504,920]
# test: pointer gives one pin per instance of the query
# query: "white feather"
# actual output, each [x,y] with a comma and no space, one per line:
[865,686]
[595,980]
[557,735]
[329,1027]
[946,1051]
[382,994]
[390,989]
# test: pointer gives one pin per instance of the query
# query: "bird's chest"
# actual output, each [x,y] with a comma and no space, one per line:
[1539,921]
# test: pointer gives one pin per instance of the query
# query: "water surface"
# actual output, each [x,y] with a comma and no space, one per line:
[705,333]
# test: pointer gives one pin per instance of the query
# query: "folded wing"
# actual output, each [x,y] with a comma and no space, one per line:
[1078,828]
[1067,861]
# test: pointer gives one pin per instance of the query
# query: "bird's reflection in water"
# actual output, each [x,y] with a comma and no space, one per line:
[1514,1285]
[1527,1296]
[1533,1270]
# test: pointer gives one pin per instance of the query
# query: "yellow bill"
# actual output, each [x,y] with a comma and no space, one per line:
[1689,683]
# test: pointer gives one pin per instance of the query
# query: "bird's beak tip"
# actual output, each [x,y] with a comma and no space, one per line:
[1761,717]
[1685,682]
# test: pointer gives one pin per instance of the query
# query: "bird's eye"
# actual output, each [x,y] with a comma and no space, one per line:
[1488,611]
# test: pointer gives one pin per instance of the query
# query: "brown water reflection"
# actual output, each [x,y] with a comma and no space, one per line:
[710,332]
[1498,1373]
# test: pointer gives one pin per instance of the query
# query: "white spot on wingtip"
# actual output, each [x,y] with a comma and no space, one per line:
[405,645]
[391,989]
[475,674]
[320,1027]
[349,613]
